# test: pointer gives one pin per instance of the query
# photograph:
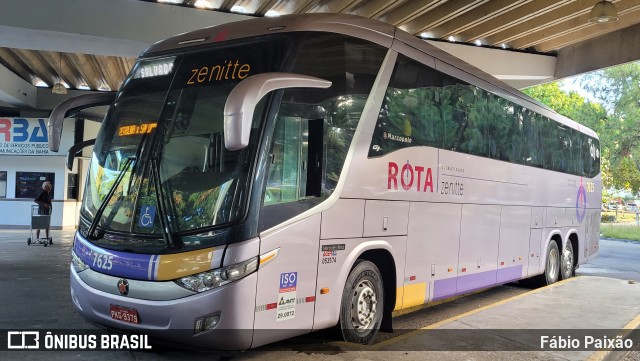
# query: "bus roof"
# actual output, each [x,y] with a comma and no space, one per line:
[368,29]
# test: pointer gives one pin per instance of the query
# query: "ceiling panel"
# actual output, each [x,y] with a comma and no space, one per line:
[525,25]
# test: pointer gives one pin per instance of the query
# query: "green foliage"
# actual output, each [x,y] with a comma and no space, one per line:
[606,196]
[617,122]
[570,104]
[628,232]
[627,175]
[607,218]
[619,216]
[618,88]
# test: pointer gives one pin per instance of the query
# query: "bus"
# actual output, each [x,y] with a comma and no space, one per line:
[267,178]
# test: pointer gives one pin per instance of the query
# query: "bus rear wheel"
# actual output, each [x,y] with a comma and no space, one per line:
[552,267]
[362,304]
[567,269]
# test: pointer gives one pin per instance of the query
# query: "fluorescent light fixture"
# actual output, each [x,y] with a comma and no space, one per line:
[452,39]
[504,46]
[272,14]
[41,84]
[426,35]
[203,4]
[170,1]
[603,12]
[83,87]
[478,42]
[238,9]
[104,88]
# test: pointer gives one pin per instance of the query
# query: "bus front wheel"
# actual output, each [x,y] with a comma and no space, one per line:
[362,304]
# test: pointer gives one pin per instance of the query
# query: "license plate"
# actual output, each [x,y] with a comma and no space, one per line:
[124,314]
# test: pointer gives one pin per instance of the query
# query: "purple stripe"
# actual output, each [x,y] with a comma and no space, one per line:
[449,287]
[114,263]
[509,274]
[444,288]
[476,281]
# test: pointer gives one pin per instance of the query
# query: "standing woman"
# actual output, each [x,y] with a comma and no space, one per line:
[44,201]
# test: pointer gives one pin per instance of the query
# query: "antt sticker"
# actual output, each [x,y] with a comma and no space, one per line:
[287,296]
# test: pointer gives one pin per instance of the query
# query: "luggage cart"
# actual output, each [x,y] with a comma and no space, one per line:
[40,219]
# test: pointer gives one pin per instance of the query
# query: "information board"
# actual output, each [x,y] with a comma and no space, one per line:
[29,184]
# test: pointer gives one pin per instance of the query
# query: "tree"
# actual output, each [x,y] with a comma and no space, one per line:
[618,88]
[570,104]
[593,115]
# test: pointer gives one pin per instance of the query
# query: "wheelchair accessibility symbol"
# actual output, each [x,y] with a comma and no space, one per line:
[147,215]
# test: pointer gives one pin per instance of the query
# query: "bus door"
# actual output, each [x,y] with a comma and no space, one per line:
[287,276]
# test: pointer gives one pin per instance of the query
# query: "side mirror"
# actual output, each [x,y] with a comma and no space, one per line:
[75,149]
[69,107]
[241,103]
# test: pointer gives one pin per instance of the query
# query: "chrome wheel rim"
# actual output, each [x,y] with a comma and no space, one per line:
[363,306]
[552,265]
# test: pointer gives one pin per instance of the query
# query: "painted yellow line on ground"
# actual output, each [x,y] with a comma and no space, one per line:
[601,355]
[402,337]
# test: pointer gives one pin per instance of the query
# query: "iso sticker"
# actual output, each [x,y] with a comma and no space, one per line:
[286,308]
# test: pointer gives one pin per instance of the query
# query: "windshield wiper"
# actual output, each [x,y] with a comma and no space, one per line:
[107,198]
[165,223]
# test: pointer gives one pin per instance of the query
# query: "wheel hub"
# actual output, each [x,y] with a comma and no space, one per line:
[363,306]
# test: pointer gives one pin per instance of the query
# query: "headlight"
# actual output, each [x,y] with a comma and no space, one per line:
[77,263]
[218,277]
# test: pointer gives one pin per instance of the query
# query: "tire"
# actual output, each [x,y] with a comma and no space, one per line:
[28,241]
[552,268]
[45,243]
[567,265]
[362,304]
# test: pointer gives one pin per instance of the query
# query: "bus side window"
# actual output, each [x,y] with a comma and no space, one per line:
[295,160]
[285,181]
[295,169]
[411,112]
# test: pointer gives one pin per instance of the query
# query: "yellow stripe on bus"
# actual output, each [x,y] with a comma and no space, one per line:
[410,295]
[172,266]
[414,295]
[399,295]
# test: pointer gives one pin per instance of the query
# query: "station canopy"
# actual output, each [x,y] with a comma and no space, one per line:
[547,27]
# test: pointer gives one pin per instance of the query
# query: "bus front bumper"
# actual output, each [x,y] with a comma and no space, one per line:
[175,320]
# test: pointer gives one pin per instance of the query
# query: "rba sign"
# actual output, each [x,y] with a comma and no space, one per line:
[410,176]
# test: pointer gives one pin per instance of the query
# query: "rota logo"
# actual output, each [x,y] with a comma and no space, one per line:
[18,131]
[410,175]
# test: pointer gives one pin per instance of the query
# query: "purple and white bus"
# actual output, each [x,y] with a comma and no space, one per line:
[266,178]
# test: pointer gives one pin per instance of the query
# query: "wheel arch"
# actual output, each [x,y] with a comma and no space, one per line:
[553,236]
[386,264]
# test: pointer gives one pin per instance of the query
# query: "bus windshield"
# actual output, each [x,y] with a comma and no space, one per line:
[170,111]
